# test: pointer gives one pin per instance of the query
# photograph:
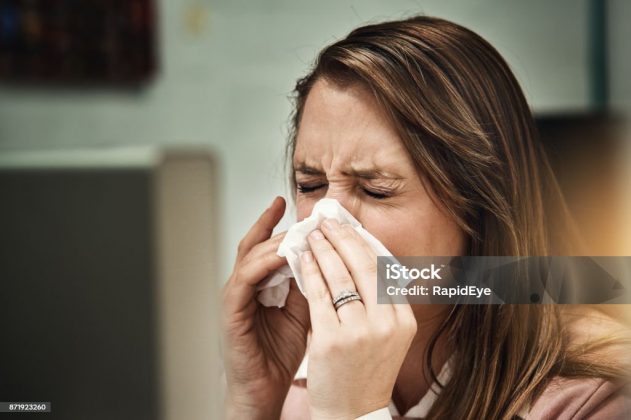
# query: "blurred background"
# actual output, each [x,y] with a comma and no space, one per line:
[130,105]
[221,72]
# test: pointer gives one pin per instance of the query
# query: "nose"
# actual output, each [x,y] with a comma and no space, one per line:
[348,200]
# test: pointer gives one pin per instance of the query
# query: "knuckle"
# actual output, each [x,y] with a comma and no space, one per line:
[410,327]
[308,270]
[256,248]
[384,330]
[360,337]
[279,236]
[344,281]
[328,253]
[410,321]
[348,229]
[371,269]
[246,259]
[268,258]
[319,294]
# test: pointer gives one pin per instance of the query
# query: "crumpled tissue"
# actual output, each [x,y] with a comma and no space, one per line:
[273,290]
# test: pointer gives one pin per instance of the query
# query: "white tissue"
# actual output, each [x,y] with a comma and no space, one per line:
[274,289]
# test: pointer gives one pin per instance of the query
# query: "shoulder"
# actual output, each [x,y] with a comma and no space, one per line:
[580,398]
[594,398]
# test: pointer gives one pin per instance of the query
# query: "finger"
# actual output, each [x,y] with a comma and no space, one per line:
[263,228]
[360,260]
[336,275]
[321,310]
[264,247]
[241,287]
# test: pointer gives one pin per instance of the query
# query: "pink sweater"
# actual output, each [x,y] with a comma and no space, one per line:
[588,398]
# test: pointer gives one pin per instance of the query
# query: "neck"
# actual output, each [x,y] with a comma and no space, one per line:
[413,380]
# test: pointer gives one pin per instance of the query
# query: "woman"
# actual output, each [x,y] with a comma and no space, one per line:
[421,131]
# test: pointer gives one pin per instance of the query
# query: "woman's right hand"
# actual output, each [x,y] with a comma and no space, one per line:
[263,347]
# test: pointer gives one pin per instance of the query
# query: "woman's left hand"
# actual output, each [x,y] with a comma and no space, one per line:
[355,352]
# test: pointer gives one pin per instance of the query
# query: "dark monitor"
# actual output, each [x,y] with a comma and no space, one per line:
[107,284]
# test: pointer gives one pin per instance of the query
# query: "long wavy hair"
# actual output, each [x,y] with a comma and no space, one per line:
[464,120]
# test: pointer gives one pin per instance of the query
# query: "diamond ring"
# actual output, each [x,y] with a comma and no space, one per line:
[345,297]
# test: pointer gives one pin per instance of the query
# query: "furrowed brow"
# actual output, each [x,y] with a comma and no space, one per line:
[372,173]
[307,170]
[367,173]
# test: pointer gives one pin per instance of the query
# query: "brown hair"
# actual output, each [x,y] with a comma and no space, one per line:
[466,124]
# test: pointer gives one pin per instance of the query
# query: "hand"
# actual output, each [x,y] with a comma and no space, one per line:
[263,346]
[355,352]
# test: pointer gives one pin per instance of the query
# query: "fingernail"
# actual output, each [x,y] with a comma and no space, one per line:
[306,256]
[316,234]
[331,224]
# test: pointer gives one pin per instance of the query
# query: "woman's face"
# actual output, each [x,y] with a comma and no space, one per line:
[348,150]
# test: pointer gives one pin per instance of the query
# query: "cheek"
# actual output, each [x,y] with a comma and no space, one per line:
[398,235]
[417,234]
[304,207]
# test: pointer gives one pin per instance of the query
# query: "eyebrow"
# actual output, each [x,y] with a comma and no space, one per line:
[367,173]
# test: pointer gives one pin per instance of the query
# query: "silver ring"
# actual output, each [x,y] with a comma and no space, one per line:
[345,297]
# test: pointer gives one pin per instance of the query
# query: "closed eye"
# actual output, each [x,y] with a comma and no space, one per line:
[306,189]
[375,194]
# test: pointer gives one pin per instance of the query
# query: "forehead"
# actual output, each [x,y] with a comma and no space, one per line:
[346,125]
